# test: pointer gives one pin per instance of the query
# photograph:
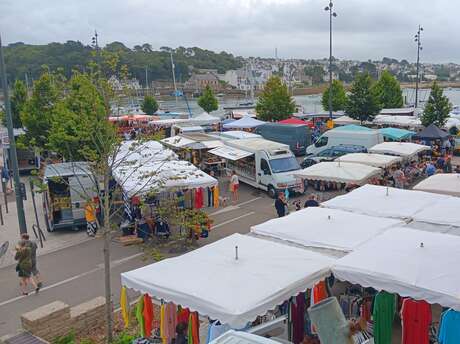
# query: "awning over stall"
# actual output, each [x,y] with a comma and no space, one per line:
[342,172]
[239,278]
[442,183]
[177,141]
[139,152]
[230,153]
[403,149]
[325,228]
[244,123]
[412,263]
[384,201]
[445,212]
[376,160]
[396,134]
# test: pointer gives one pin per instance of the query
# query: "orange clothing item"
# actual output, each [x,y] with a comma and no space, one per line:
[90,213]
[195,328]
[319,292]
[148,315]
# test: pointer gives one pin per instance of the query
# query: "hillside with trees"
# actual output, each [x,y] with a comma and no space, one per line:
[24,58]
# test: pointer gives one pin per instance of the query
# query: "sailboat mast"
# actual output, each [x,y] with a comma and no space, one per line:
[174,76]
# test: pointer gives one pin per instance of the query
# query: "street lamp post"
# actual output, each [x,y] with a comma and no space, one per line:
[419,47]
[331,15]
[13,154]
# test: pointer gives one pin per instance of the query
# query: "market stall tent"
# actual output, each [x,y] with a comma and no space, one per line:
[396,134]
[384,201]
[297,121]
[402,149]
[240,337]
[432,132]
[325,228]
[138,152]
[177,141]
[344,120]
[244,123]
[409,262]
[204,119]
[376,160]
[444,212]
[442,183]
[398,121]
[342,172]
[232,280]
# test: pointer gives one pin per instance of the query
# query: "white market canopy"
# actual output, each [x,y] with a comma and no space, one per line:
[325,228]
[230,153]
[384,201]
[402,149]
[140,153]
[205,118]
[177,141]
[240,337]
[344,120]
[375,160]
[444,212]
[442,183]
[244,123]
[140,179]
[212,282]
[239,134]
[345,172]
[399,121]
[413,263]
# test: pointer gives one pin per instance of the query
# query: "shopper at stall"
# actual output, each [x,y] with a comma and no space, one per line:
[311,202]
[281,205]
[430,169]
[234,185]
[448,165]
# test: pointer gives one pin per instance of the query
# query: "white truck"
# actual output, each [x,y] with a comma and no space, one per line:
[343,136]
[261,163]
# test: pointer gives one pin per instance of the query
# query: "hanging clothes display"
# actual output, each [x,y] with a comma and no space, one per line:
[140,315]
[124,307]
[416,321]
[383,315]
[199,198]
[170,319]
[319,292]
[163,324]
[182,315]
[148,315]
[298,318]
[449,328]
[215,330]
[193,329]
[210,200]
[215,196]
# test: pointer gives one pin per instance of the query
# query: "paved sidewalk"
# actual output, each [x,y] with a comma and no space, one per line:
[10,230]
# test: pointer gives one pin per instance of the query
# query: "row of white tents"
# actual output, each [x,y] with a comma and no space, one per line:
[366,237]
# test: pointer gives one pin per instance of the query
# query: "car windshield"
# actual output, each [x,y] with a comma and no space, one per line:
[284,165]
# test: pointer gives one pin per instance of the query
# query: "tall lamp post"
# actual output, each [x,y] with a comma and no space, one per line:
[419,47]
[13,154]
[331,15]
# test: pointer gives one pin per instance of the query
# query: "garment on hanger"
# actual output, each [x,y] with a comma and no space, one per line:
[140,315]
[163,324]
[193,329]
[383,315]
[148,315]
[215,196]
[215,330]
[449,328]
[124,307]
[199,198]
[416,321]
[182,315]
[209,202]
[319,292]
[298,318]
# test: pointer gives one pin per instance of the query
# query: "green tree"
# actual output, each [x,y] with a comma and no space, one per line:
[388,91]
[437,108]
[38,111]
[17,101]
[363,103]
[339,97]
[275,103]
[149,105]
[208,102]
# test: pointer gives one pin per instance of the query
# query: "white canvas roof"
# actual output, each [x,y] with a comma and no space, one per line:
[445,212]
[413,263]
[239,134]
[177,141]
[232,291]
[403,149]
[212,143]
[401,121]
[376,160]
[244,122]
[205,118]
[343,120]
[230,153]
[325,228]
[384,201]
[345,172]
[442,183]
[240,337]
[139,179]
[141,153]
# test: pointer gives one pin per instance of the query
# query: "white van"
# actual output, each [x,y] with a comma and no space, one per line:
[261,163]
[341,136]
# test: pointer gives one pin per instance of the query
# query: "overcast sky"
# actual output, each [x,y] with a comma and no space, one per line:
[364,29]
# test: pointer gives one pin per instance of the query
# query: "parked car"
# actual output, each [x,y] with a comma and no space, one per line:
[332,153]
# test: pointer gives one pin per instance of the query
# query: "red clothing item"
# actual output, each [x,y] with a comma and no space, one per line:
[199,198]
[416,320]
[183,315]
[319,292]
[148,315]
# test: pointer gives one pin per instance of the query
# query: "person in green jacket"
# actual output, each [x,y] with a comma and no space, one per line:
[24,267]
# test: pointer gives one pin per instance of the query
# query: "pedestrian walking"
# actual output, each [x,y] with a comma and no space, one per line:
[90,216]
[281,205]
[24,267]
[234,185]
[32,245]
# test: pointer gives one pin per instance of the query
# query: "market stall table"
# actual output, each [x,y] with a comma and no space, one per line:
[232,280]
[325,228]
[409,262]
[375,160]
[339,172]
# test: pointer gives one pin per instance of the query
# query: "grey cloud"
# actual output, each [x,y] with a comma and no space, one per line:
[298,28]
